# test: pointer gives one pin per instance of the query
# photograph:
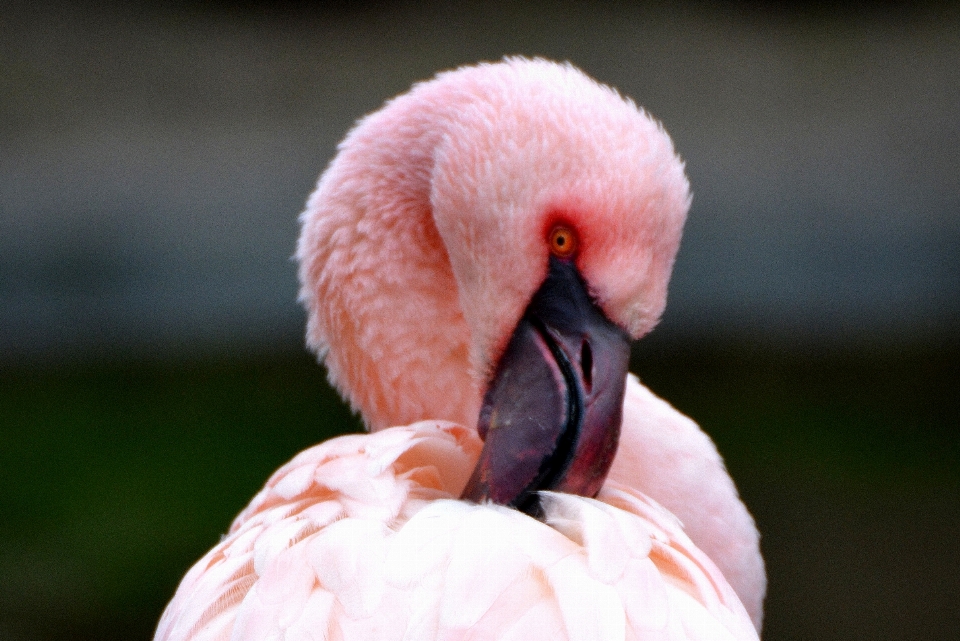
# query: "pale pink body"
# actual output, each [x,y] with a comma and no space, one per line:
[420,250]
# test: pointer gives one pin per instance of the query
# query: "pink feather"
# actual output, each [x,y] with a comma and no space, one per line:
[420,249]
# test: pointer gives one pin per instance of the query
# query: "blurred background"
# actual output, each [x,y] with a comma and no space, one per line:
[153,161]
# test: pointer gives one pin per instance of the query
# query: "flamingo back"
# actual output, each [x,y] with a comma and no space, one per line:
[360,538]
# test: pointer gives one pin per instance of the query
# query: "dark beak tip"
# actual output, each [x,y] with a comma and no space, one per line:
[551,415]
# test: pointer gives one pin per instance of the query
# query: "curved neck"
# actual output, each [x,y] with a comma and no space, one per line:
[376,278]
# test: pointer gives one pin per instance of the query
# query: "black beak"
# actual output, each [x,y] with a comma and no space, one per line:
[551,416]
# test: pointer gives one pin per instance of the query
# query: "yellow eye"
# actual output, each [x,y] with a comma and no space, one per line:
[563,241]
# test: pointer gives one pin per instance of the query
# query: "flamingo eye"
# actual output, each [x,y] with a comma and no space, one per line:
[563,241]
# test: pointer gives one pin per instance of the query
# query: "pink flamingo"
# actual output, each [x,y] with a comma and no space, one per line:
[486,245]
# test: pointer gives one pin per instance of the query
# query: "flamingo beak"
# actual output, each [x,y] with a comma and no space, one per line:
[551,416]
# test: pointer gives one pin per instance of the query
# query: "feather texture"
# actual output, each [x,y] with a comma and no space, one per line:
[361,538]
[419,251]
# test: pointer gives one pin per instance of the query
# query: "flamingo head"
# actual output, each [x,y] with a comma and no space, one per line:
[482,250]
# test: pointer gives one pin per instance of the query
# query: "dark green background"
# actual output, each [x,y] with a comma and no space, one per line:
[115,478]
[153,159]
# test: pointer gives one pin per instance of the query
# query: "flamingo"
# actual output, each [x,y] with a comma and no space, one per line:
[474,263]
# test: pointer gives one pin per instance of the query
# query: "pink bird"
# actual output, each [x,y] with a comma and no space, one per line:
[474,263]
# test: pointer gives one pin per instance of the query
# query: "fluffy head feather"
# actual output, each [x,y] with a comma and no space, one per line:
[426,236]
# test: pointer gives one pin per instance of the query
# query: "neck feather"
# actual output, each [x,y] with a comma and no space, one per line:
[377,282]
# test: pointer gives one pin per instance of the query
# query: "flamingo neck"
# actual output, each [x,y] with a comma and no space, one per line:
[384,312]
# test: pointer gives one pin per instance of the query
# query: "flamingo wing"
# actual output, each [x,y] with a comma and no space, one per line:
[360,538]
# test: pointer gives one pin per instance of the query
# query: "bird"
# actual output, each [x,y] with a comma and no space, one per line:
[475,262]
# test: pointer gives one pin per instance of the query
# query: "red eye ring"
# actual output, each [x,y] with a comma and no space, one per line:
[563,241]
